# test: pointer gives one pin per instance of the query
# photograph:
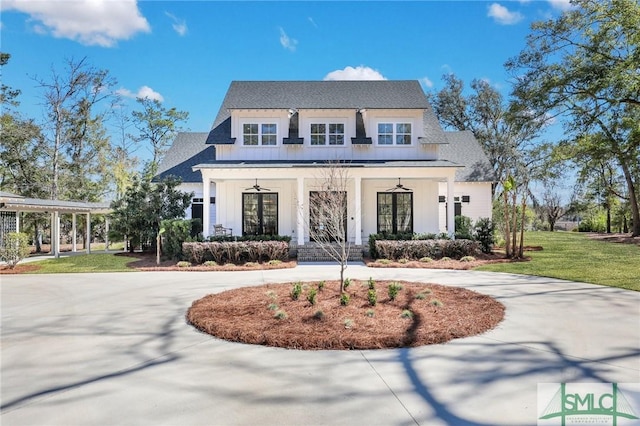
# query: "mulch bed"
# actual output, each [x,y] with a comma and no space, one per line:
[244,315]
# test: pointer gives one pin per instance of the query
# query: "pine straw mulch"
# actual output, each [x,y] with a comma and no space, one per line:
[245,315]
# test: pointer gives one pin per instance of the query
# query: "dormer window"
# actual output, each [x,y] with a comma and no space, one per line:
[259,134]
[394,133]
[323,133]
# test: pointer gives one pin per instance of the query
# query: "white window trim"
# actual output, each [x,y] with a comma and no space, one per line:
[394,123]
[327,123]
[260,123]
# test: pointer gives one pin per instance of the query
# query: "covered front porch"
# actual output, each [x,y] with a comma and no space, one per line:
[290,186]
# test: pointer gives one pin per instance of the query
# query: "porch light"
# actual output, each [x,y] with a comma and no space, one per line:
[292,112]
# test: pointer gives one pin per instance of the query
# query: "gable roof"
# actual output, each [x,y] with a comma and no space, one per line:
[188,149]
[349,94]
[463,148]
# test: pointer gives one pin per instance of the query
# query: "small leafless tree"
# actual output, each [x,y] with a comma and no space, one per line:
[551,207]
[328,215]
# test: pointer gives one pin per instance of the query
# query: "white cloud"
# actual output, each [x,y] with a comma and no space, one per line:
[286,42]
[426,82]
[90,22]
[561,4]
[503,16]
[312,22]
[143,92]
[179,25]
[358,73]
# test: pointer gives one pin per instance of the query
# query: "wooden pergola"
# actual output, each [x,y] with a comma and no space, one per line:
[18,204]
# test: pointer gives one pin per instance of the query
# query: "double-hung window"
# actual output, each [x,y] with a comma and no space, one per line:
[259,134]
[395,212]
[394,133]
[323,133]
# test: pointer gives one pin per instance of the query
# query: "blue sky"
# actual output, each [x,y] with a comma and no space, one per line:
[187,52]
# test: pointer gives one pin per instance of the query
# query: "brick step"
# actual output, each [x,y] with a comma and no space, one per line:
[314,253]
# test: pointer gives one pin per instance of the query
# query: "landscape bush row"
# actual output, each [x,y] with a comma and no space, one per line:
[418,249]
[235,251]
[481,232]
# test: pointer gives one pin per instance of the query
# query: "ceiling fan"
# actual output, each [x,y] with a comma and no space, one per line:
[399,185]
[257,187]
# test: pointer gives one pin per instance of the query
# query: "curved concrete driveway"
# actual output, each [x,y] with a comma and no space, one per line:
[106,349]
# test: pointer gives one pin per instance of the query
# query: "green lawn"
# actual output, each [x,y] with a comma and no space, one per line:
[573,256]
[99,262]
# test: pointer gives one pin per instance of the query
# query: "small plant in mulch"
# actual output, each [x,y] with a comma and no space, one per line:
[421,296]
[436,303]
[406,313]
[274,262]
[370,313]
[183,264]
[296,290]
[273,307]
[250,264]
[321,285]
[281,315]
[467,259]
[348,323]
[319,315]
[311,295]
[426,259]
[344,299]
[371,284]
[445,258]
[383,261]
[210,263]
[372,297]
[347,283]
[272,295]
[403,260]
[393,290]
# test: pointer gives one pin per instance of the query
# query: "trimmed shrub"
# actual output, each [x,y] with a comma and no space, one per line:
[463,227]
[483,233]
[14,247]
[235,251]
[418,249]
[176,232]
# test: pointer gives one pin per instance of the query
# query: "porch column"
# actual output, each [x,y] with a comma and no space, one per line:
[300,211]
[88,233]
[358,209]
[55,234]
[206,207]
[74,237]
[18,221]
[451,208]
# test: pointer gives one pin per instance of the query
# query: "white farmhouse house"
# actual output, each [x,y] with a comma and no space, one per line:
[256,171]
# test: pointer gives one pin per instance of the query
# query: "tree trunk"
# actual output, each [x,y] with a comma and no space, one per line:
[608,218]
[507,234]
[633,200]
[524,207]
[514,229]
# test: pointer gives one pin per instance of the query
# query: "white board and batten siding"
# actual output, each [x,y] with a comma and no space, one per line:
[240,152]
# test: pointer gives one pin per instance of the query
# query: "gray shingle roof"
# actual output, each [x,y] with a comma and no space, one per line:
[188,149]
[464,149]
[387,94]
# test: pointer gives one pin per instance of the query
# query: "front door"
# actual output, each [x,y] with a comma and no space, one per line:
[327,216]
